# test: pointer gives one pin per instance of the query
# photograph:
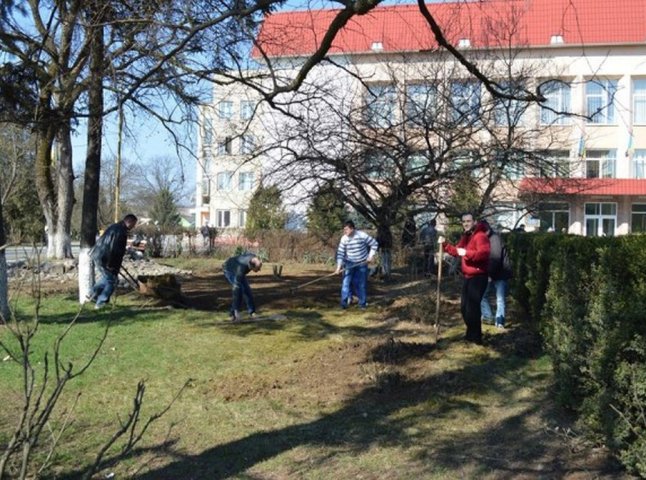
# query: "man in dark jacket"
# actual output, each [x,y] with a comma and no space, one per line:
[499,274]
[473,248]
[107,256]
[235,271]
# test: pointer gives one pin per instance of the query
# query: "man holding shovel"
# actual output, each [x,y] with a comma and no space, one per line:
[356,249]
[107,256]
[473,249]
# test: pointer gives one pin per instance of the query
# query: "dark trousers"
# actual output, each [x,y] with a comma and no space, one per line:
[240,288]
[472,291]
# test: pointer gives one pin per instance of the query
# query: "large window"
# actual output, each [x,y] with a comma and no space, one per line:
[224,181]
[639,101]
[223,218]
[512,164]
[206,190]
[247,144]
[207,135]
[508,112]
[465,101]
[600,219]
[600,164]
[554,217]
[638,218]
[246,109]
[554,163]
[599,100]
[225,109]
[557,102]
[245,181]
[639,164]
[381,103]
[378,165]
[225,147]
[242,218]
[421,104]
[418,163]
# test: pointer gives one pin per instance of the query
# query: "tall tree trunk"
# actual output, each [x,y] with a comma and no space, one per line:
[4,286]
[65,193]
[92,161]
[44,184]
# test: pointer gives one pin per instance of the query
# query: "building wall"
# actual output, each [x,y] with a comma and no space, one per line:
[624,64]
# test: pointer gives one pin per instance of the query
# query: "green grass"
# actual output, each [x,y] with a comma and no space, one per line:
[304,398]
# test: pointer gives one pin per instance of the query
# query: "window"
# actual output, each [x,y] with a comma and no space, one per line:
[224,181]
[378,166]
[600,164]
[380,106]
[639,164]
[638,218]
[557,100]
[554,163]
[600,219]
[246,109]
[207,134]
[507,111]
[418,163]
[554,217]
[206,190]
[247,144]
[225,146]
[421,107]
[465,101]
[223,218]
[225,109]
[599,101]
[512,164]
[639,101]
[207,163]
[465,161]
[245,181]
[242,218]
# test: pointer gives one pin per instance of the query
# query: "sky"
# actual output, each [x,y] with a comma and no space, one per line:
[149,140]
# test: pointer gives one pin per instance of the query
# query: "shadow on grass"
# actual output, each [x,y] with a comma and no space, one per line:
[388,418]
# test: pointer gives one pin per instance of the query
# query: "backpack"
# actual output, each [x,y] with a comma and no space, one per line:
[506,269]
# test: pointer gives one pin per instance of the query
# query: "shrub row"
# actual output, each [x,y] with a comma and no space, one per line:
[588,298]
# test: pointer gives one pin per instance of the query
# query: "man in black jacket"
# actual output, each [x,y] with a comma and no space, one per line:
[235,271]
[500,272]
[107,256]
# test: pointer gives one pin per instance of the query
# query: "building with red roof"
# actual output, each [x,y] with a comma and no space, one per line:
[585,143]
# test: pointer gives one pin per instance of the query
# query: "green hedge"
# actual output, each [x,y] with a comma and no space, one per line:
[588,298]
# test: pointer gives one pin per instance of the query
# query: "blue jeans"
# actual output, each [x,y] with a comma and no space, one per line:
[102,290]
[355,279]
[501,287]
[240,289]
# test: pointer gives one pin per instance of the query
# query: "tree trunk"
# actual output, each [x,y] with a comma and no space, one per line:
[4,285]
[44,184]
[93,159]
[65,194]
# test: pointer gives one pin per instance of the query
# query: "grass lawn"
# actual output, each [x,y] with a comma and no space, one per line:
[320,394]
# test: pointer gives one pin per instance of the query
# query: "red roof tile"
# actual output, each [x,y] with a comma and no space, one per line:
[583,186]
[485,23]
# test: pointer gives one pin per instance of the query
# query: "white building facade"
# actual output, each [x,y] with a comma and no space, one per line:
[590,126]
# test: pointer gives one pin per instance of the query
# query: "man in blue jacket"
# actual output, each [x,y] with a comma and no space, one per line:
[107,256]
[235,271]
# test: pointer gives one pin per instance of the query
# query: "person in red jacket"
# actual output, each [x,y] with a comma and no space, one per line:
[473,248]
